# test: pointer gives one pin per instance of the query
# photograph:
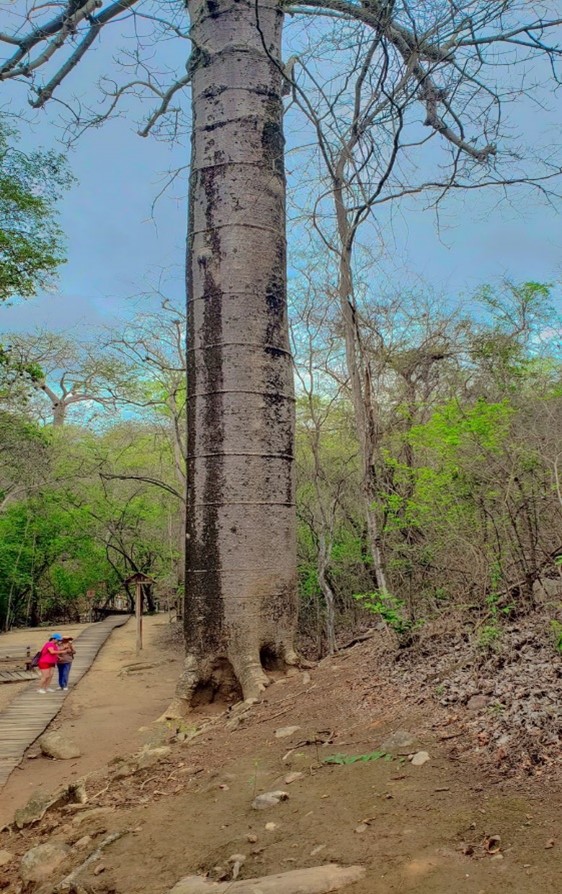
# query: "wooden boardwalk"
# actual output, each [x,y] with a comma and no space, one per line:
[30,713]
[17,676]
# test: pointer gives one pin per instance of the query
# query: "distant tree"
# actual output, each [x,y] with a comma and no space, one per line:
[23,457]
[67,372]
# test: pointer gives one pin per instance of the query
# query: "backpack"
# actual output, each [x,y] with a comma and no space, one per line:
[35,660]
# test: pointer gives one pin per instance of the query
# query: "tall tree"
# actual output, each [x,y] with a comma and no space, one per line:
[241,602]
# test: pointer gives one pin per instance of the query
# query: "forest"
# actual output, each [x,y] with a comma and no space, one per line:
[280,344]
[463,456]
[300,441]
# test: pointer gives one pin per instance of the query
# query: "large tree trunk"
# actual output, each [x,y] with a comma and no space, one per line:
[241,544]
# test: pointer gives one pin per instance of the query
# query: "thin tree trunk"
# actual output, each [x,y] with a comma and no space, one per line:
[361,397]
[241,526]
[328,594]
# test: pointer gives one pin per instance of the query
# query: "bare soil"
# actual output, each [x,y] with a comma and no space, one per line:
[454,824]
[104,712]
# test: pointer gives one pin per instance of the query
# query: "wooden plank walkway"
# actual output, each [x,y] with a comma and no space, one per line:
[17,676]
[30,713]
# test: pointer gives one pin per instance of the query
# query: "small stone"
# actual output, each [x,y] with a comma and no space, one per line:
[293,777]
[33,810]
[306,678]
[39,863]
[477,703]
[91,813]
[496,857]
[124,770]
[84,841]
[58,747]
[150,756]
[420,758]
[252,838]
[99,869]
[269,799]
[317,849]
[5,858]
[399,739]
[270,827]
[285,731]
[362,827]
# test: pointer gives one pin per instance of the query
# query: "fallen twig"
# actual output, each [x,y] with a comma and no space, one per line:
[150,779]
[69,881]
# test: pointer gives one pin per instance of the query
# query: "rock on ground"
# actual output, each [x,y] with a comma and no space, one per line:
[37,805]
[285,731]
[5,858]
[477,703]
[420,759]
[40,862]
[316,880]
[399,739]
[293,777]
[269,799]
[144,759]
[58,746]
[150,756]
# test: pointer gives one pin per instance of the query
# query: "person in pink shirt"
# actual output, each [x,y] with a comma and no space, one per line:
[48,661]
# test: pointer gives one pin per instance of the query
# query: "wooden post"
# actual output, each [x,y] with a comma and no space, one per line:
[138,614]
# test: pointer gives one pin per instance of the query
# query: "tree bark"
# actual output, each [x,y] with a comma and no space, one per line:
[241,578]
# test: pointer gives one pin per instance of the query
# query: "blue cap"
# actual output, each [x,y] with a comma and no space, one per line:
[56,636]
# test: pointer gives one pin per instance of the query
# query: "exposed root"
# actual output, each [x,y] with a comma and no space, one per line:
[68,883]
[229,678]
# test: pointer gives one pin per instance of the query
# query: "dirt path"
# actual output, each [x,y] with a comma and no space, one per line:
[445,827]
[103,713]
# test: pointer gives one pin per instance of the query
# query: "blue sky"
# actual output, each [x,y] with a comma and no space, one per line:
[117,248]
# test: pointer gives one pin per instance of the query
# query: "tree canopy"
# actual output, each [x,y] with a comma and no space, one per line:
[31,242]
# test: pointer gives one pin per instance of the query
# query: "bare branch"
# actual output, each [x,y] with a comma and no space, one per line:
[163,107]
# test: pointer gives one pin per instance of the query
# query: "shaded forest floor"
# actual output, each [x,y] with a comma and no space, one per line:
[470,819]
